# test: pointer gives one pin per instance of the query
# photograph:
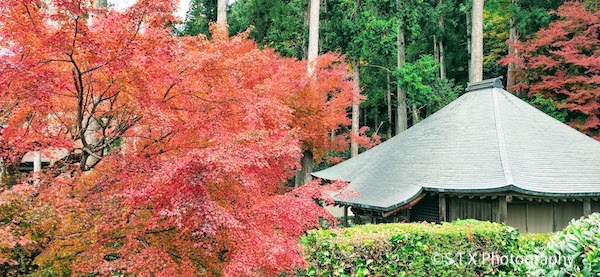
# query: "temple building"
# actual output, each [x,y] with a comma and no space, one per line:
[488,155]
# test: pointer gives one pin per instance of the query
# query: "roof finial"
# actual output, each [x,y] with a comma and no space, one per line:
[489,83]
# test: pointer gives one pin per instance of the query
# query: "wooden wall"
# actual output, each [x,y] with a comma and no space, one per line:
[527,216]
[480,209]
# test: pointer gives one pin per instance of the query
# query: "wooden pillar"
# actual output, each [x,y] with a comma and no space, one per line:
[345,216]
[502,209]
[443,213]
[587,207]
[555,218]
[356,217]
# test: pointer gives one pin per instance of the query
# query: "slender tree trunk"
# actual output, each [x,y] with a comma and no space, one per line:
[468,21]
[308,163]
[313,35]
[442,59]
[436,53]
[355,109]
[401,114]
[221,11]
[441,44]
[513,36]
[415,114]
[389,104]
[477,41]
[355,102]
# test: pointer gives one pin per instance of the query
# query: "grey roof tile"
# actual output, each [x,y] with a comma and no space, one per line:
[486,140]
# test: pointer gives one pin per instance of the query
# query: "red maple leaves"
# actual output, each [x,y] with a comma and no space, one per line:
[178,148]
[562,62]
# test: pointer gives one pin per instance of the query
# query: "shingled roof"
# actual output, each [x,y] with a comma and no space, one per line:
[485,141]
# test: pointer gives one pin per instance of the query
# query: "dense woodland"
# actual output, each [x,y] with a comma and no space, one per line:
[181,140]
[435,50]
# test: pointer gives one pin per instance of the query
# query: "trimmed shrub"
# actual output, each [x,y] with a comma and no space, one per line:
[573,252]
[461,248]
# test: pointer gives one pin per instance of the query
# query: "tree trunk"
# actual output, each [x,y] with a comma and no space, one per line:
[436,53]
[313,35]
[308,164]
[389,104]
[442,60]
[477,42]
[468,21]
[441,45]
[355,109]
[415,114]
[221,12]
[513,36]
[401,114]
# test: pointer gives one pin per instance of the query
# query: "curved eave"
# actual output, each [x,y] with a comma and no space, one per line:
[509,188]
[513,188]
[378,208]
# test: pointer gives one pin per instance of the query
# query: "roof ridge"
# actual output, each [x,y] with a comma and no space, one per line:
[501,140]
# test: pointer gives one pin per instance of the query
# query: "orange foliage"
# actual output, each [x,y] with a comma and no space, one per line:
[192,140]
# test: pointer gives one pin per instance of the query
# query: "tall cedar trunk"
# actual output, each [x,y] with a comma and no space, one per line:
[389,104]
[436,53]
[477,41]
[468,21]
[401,114]
[355,109]
[441,45]
[442,60]
[222,12]
[513,36]
[355,102]
[307,162]
[313,35]
[415,114]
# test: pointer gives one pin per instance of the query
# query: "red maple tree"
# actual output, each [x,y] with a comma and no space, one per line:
[562,62]
[178,147]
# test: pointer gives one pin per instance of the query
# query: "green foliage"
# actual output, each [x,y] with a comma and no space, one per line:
[416,78]
[576,250]
[495,35]
[549,106]
[199,15]
[416,249]
[277,24]
[444,92]
[533,15]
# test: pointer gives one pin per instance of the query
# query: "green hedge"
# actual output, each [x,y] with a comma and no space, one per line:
[573,252]
[461,248]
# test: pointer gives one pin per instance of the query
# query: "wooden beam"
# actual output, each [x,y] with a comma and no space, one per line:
[442,207]
[587,207]
[503,209]
[404,207]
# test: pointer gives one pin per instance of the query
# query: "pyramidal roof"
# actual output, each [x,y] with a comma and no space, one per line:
[487,140]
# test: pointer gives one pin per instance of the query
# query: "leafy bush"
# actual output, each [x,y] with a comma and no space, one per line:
[418,249]
[573,252]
